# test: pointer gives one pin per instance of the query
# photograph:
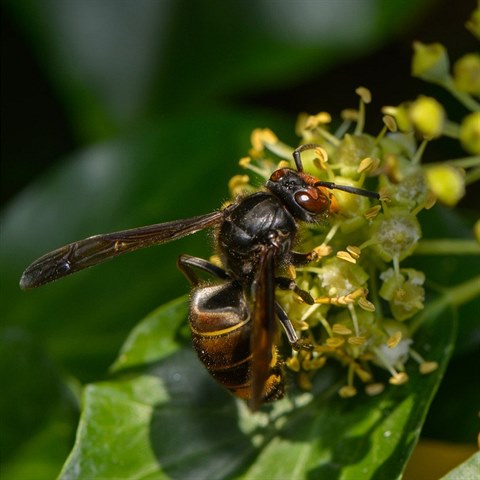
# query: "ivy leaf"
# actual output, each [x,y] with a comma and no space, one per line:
[162,416]
[468,470]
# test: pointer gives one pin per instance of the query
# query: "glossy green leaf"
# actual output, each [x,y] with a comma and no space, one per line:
[451,269]
[469,470]
[166,418]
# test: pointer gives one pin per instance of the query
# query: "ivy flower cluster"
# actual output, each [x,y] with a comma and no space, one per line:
[364,296]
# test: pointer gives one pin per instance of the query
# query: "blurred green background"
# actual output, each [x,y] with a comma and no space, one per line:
[120,113]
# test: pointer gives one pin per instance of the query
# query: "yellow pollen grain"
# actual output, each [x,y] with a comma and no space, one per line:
[318,362]
[394,340]
[311,122]
[374,389]
[385,195]
[364,94]
[340,329]
[343,255]
[283,164]
[398,379]
[347,391]
[354,251]
[302,325]
[323,250]
[365,165]
[427,367]
[238,182]
[244,162]
[256,139]
[372,212]
[293,364]
[215,259]
[349,114]
[321,154]
[390,123]
[366,305]
[335,342]
[260,137]
[324,117]
[389,110]
[320,164]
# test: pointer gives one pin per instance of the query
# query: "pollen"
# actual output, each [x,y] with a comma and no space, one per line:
[340,329]
[390,123]
[394,340]
[350,114]
[366,305]
[283,164]
[342,255]
[322,155]
[347,391]
[364,94]
[244,162]
[365,165]
[323,250]
[373,389]
[399,378]
[313,121]
[427,367]
[354,251]
[262,136]
[238,184]
[372,212]
[335,342]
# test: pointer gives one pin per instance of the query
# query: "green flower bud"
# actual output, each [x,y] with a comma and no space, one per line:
[446,182]
[398,355]
[404,292]
[350,206]
[395,234]
[470,133]
[351,151]
[466,73]
[473,23]
[411,191]
[339,278]
[427,116]
[401,116]
[430,62]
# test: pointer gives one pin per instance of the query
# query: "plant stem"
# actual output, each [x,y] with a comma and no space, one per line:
[448,246]
[464,292]
[452,296]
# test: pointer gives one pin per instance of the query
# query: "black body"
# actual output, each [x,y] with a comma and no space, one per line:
[258,222]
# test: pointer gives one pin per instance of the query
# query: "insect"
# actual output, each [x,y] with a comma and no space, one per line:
[233,319]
